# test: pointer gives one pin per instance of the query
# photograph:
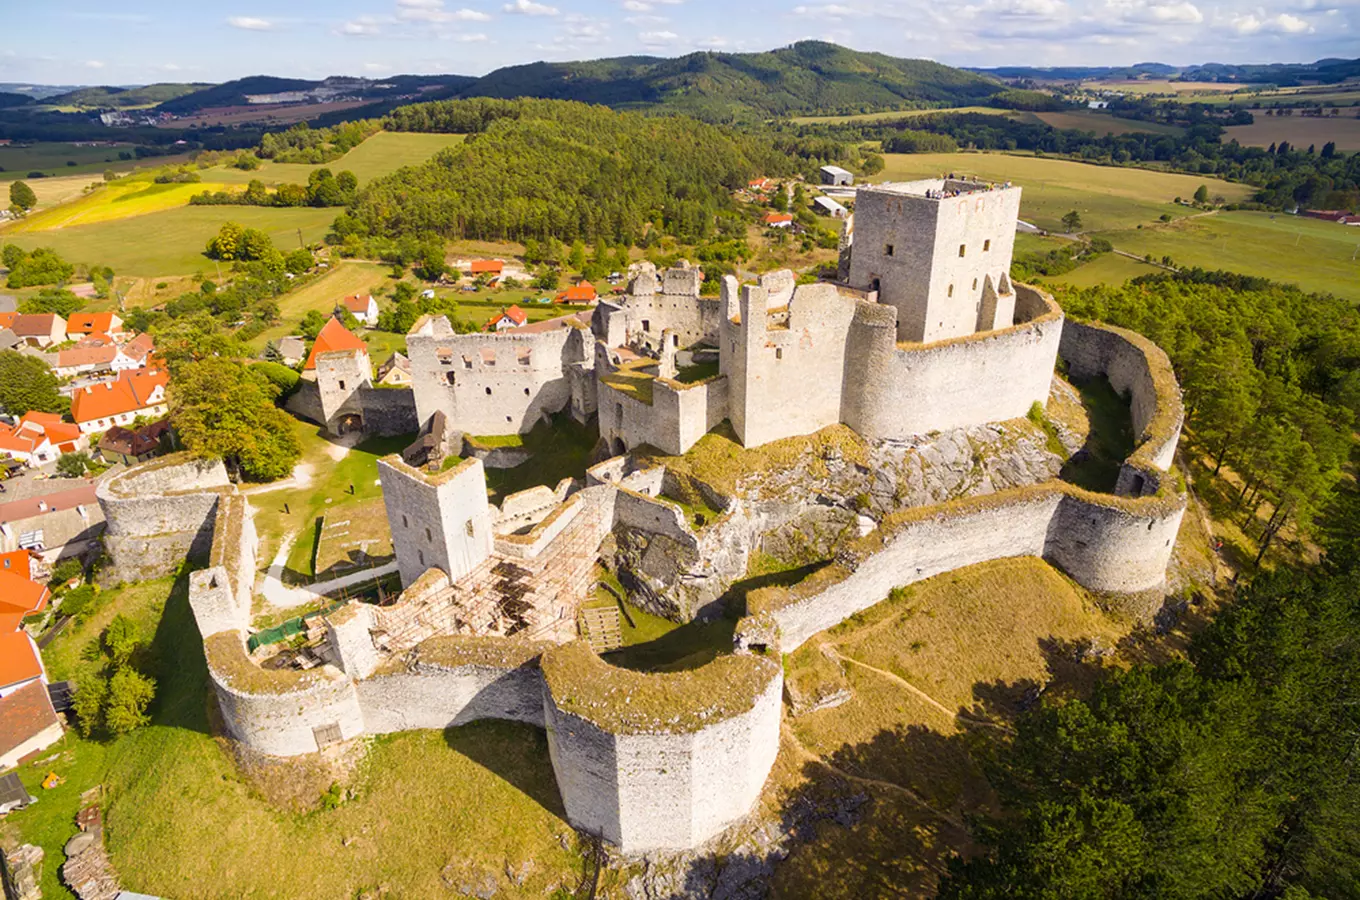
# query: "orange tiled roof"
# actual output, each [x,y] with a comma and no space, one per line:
[514,314]
[127,394]
[139,347]
[19,562]
[33,324]
[357,304]
[333,336]
[581,293]
[491,266]
[7,319]
[90,323]
[776,218]
[86,356]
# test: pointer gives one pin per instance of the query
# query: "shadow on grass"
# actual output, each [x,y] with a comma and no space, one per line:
[176,662]
[559,450]
[1096,465]
[513,751]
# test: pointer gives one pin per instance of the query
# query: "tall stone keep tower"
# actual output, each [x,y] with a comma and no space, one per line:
[940,252]
[439,521]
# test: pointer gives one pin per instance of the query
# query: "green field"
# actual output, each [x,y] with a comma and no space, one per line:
[346,278]
[119,200]
[381,154]
[1108,197]
[51,159]
[1101,123]
[172,242]
[1315,255]
[1109,268]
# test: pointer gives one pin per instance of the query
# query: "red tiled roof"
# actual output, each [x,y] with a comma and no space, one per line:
[7,319]
[21,595]
[27,508]
[33,324]
[492,266]
[25,714]
[776,218]
[134,443]
[97,339]
[90,323]
[514,314]
[357,304]
[127,394]
[333,336]
[18,561]
[86,356]
[581,293]
[139,347]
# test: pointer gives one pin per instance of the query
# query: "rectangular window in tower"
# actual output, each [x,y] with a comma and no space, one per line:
[778,352]
[962,248]
[951,290]
[342,384]
[887,249]
[986,245]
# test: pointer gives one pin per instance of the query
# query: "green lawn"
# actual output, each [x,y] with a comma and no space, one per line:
[560,451]
[381,154]
[427,807]
[1107,197]
[1313,254]
[1108,268]
[172,242]
[51,158]
[346,277]
[1096,465]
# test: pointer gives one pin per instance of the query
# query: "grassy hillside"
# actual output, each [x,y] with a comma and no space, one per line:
[119,200]
[808,77]
[380,155]
[123,98]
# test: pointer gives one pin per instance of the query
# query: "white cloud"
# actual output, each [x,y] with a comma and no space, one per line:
[637,6]
[1292,24]
[475,38]
[656,38]
[1284,23]
[434,11]
[529,8]
[833,11]
[94,64]
[1177,12]
[364,26]
[712,43]
[250,23]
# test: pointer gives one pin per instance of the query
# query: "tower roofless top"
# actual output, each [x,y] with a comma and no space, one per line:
[939,188]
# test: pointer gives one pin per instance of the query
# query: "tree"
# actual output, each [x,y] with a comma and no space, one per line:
[299,261]
[1071,222]
[27,383]
[312,323]
[42,266]
[120,640]
[12,255]
[22,196]
[224,410]
[88,705]
[1202,194]
[226,244]
[73,465]
[577,259]
[130,693]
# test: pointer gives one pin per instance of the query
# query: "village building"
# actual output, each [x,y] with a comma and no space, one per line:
[140,392]
[778,220]
[362,307]
[396,372]
[9,340]
[582,292]
[132,446]
[20,661]
[39,329]
[513,317]
[828,207]
[55,526]
[292,350]
[835,175]
[134,354]
[28,724]
[39,438]
[109,323]
[84,361]
[759,185]
[492,268]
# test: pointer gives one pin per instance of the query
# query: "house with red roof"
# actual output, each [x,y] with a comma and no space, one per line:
[39,329]
[140,392]
[759,185]
[135,354]
[583,292]
[84,361]
[28,722]
[778,220]
[109,323]
[39,438]
[513,317]
[362,307]
[333,336]
[492,267]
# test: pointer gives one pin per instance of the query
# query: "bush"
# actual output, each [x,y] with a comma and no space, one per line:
[65,570]
[79,601]
[130,693]
[73,465]
[282,377]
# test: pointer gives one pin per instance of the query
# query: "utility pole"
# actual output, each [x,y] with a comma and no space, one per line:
[301,245]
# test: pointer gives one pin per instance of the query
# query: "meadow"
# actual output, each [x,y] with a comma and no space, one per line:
[347,277]
[382,154]
[1101,123]
[171,242]
[1299,131]
[1107,197]
[899,114]
[1109,268]
[1315,255]
[110,202]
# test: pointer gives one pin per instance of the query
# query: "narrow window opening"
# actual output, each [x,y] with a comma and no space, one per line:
[974,284]
[951,290]
[404,523]
[646,324]
[450,378]
[986,245]
[342,384]
[429,536]
[887,249]
[420,555]
[526,392]
[467,526]
[962,248]
[778,352]
[488,392]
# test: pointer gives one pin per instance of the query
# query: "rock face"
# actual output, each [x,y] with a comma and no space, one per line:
[802,513]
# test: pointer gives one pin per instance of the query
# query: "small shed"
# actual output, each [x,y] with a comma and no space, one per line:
[836,175]
[828,207]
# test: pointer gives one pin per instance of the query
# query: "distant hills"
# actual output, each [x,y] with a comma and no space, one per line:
[123,97]
[1325,71]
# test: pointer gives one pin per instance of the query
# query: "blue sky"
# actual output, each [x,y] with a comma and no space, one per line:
[139,41]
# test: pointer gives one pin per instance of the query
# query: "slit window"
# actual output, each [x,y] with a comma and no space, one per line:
[962,249]
[342,384]
[974,284]
[986,245]
[887,249]
[778,352]
[449,376]
[467,526]
[951,290]
[429,536]
[488,392]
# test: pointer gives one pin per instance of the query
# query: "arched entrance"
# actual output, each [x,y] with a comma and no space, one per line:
[350,423]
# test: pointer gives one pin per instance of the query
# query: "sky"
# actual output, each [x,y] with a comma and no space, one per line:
[143,41]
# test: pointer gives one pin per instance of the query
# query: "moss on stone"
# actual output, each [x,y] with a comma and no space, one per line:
[227,660]
[622,701]
[454,651]
[444,476]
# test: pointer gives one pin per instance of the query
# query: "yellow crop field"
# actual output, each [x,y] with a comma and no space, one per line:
[1300,131]
[119,200]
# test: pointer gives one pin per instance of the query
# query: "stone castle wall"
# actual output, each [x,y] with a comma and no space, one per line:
[677,417]
[385,410]
[159,514]
[491,383]
[895,391]
[438,521]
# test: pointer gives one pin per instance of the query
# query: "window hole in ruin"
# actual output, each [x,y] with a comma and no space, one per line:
[962,249]
[986,245]
[887,249]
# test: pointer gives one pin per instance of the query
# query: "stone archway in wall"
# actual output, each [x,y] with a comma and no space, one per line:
[617,448]
[349,423]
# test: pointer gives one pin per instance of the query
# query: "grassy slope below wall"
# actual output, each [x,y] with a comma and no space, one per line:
[462,804]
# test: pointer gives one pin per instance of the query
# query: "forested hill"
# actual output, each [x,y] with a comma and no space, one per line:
[807,77]
[533,169]
[114,97]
